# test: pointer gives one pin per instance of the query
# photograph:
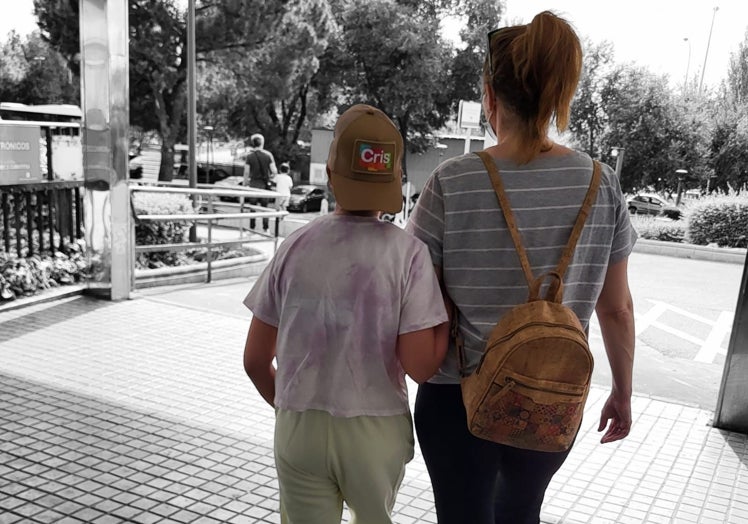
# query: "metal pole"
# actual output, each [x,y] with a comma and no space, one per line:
[688,65]
[732,409]
[619,161]
[708,42]
[467,141]
[191,107]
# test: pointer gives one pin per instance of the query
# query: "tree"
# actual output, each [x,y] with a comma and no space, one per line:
[157,63]
[466,71]
[270,89]
[32,72]
[402,70]
[644,116]
[728,152]
[234,38]
[737,74]
[588,119]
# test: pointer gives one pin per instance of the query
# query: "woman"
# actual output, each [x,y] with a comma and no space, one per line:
[530,75]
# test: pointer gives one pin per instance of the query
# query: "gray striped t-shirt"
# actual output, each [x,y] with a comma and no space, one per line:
[458,217]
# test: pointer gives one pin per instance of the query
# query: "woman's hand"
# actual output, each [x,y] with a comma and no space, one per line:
[616,415]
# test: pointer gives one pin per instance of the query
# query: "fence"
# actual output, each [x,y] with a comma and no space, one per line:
[205,214]
[40,218]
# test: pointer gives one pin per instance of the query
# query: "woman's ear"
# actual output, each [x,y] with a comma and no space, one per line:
[489,97]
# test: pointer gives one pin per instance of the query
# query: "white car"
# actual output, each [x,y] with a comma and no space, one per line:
[652,204]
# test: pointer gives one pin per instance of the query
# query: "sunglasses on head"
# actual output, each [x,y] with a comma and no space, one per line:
[491,35]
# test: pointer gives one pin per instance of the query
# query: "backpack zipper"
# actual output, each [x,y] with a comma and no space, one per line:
[510,383]
[510,335]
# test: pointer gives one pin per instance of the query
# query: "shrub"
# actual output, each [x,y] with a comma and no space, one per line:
[149,232]
[30,275]
[721,220]
[653,228]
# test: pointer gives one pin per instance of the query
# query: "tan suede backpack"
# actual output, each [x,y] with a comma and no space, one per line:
[532,382]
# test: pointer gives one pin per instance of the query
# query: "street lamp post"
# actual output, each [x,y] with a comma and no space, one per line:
[688,65]
[681,174]
[617,153]
[209,150]
[708,42]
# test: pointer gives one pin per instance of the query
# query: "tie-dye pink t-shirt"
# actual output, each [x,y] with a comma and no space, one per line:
[340,290]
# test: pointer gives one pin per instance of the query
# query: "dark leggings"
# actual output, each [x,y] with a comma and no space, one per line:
[476,481]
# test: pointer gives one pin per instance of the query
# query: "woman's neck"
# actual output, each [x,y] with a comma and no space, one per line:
[509,148]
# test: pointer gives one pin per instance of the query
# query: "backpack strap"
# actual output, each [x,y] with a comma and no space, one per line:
[498,187]
[555,290]
[584,211]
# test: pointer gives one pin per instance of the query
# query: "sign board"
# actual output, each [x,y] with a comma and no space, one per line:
[469,114]
[318,174]
[19,154]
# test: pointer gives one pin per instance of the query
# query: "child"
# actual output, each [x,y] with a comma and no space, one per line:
[283,185]
[348,305]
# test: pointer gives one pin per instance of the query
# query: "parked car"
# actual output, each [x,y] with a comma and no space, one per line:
[206,174]
[236,182]
[307,197]
[651,204]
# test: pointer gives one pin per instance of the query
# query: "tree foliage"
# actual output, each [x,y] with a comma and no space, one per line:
[728,151]
[467,65]
[624,106]
[268,88]
[588,119]
[32,72]
[389,56]
[737,74]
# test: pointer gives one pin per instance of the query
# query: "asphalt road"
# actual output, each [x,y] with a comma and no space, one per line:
[684,310]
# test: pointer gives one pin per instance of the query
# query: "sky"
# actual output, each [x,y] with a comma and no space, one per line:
[652,32]
[646,32]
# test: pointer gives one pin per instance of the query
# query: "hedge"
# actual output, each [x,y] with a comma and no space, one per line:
[653,228]
[149,232]
[720,220]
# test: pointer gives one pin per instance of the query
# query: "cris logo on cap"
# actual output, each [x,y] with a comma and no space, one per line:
[375,157]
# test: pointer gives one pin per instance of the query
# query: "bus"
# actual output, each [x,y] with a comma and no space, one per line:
[40,142]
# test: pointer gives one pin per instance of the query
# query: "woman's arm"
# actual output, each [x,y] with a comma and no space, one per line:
[259,352]
[615,312]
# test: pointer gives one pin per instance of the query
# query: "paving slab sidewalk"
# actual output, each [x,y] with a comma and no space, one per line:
[139,411]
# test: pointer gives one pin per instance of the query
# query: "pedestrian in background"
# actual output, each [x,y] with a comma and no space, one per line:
[259,167]
[283,185]
[529,77]
[348,305]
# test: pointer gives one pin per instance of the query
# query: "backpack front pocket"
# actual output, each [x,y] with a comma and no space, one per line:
[527,413]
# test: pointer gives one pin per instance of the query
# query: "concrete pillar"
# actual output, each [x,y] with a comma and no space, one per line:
[104,32]
[732,404]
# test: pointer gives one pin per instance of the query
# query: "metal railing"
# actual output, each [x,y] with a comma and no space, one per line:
[204,201]
[40,217]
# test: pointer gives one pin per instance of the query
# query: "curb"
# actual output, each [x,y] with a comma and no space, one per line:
[730,255]
[50,295]
[198,273]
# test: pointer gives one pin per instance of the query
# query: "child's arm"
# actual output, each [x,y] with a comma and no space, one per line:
[421,352]
[259,352]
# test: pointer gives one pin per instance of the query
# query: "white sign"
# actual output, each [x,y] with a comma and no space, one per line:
[317,174]
[19,154]
[469,114]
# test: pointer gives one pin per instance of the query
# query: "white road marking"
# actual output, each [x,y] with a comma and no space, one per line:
[646,320]
[712,346]
[709,348]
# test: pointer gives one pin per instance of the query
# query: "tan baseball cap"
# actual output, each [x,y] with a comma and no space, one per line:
[365,162]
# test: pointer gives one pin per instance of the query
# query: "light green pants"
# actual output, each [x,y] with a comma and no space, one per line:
[323,460]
